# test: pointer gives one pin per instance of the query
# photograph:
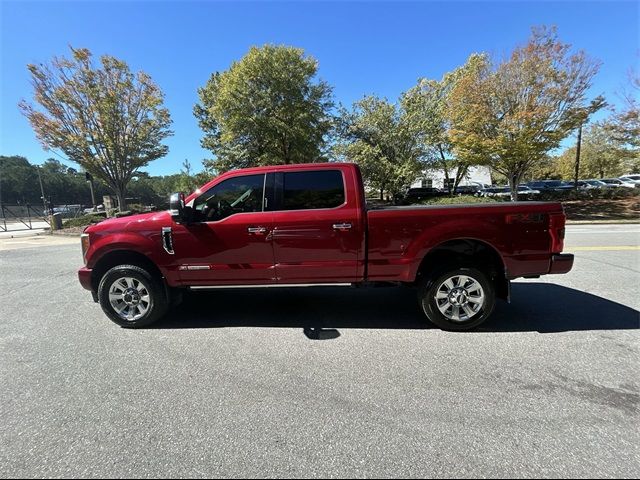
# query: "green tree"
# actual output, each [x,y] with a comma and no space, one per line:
[18,181]
[378,136]
[187,181]
[602,155]
[512,115]
[267,109]
[108,120]
[428,107]
[624,125]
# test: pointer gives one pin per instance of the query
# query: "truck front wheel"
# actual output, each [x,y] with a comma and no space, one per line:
[131,296]
[458,299]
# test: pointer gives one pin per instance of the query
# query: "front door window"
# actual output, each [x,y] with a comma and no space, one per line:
[244,194]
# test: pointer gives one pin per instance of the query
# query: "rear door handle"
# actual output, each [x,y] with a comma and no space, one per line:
[342,226]
[257,230]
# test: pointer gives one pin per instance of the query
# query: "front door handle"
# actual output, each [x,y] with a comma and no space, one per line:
[342,226]
[257,230]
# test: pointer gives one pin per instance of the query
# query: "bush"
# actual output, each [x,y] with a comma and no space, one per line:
[590,194]
[84,220]
[461,199]
[134,209]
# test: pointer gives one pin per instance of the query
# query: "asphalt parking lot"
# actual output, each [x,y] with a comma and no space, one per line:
[229,385]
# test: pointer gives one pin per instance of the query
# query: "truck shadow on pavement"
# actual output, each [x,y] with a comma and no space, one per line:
[539,307]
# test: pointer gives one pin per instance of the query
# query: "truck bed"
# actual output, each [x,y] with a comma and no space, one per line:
[400,236]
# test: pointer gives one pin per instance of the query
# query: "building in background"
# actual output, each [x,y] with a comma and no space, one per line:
[436,178]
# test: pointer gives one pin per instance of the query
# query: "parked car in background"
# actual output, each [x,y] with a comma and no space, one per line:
[98,208]
[467,189]
[68,210]
[417,194]
[527,191]
[493,191]
[524,191]
[616,182]
[555,185]
[593,183]
[633,178]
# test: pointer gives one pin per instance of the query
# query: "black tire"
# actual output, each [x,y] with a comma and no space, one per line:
[429,288]
[157,303]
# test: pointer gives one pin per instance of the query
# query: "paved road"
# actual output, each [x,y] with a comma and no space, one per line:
[230,385]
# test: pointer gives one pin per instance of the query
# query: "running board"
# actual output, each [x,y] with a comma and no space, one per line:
[275,285]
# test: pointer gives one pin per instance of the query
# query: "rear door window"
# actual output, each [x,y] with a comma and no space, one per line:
[312,190]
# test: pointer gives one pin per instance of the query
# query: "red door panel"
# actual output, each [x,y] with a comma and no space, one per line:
[234,251]
[308,248]
[317,226]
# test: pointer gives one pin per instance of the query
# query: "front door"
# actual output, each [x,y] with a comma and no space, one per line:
[229,240]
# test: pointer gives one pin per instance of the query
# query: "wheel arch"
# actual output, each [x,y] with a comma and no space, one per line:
[470,252]
[123,257]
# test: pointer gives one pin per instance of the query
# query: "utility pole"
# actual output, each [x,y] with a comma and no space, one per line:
[577,172]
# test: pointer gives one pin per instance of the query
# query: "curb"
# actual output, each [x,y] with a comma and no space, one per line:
[60,233]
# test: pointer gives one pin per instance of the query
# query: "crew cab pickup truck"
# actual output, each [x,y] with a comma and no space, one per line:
[306,225]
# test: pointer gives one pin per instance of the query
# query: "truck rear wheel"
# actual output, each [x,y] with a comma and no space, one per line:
[131,296]
[457,299]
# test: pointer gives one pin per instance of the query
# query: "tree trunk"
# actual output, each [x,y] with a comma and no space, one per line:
[460,174]
[381,194]
[513,185]
[447,184]
[122,203]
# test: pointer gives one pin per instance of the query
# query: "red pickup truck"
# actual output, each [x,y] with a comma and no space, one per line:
[306,225]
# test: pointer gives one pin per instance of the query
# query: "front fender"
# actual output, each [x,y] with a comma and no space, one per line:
[130,241]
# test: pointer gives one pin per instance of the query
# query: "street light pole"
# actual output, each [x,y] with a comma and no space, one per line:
[44,200]
[89,179]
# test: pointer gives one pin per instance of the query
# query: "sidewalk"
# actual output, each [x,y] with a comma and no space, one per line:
[23,233]
[32,239]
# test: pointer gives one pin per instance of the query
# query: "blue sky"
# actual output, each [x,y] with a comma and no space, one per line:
[362,47]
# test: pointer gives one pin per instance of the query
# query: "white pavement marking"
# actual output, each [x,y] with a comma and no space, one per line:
[607,248]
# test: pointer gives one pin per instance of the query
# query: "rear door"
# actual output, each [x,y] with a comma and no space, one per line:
[317,233]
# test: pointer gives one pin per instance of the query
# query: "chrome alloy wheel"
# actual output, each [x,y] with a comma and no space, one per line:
[460,298]
[129,298]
